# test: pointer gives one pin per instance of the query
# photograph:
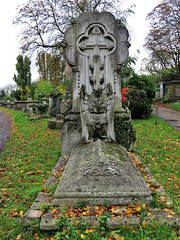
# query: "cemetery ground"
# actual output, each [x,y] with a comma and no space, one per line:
[33,149]
[174,106]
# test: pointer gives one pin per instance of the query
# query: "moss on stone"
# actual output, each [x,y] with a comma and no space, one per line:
[125,133]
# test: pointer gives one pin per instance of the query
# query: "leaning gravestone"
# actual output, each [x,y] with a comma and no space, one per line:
[97,171]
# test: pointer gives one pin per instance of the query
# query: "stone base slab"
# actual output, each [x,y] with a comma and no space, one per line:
[154,217]
[160,216]
[96,200]
[98,172]
[31,217]
[47,222]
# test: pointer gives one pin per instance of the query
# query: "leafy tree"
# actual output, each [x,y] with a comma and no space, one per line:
[44,21]
[141,93]
[2,93]
[23,77]
[168,74]
[51,68]
[17,95]
[32,89]
[163,38]
[44,86]
[127,69]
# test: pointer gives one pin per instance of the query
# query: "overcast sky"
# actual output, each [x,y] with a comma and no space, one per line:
[9,44]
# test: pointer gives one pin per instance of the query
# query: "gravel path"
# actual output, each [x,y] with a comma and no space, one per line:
[170,116]
[5,128]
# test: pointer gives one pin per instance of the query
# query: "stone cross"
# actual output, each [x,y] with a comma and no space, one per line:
[96,47]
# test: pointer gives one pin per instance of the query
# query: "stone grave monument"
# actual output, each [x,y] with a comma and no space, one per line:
[43,104]
[37,108]
[54,102]
[98,169]
[55,110]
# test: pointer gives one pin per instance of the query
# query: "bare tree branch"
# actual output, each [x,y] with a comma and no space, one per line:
[43,22]
[163,38]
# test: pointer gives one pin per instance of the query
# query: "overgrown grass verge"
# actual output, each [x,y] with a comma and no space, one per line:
[175,106]
[33,150]
[159,148]
[25,165]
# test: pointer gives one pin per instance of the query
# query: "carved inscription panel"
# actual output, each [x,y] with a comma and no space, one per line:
[94,169]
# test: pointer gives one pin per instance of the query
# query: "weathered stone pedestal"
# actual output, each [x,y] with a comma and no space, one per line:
[100,172]
[55,124]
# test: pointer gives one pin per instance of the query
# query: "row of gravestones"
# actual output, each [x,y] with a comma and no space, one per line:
[43,107]
[57,111]
[7,103]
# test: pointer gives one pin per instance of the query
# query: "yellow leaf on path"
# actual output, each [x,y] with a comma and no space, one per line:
[83,236]
[36,236]
[78,232]
[53,210]
[18,237]
[21,213]
[143,205]
[170,211]
[138,208]
[117,237]
[169,216]
[91,230]
[84,213]
[162,199]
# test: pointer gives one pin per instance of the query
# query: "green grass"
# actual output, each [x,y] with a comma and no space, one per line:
[159,148]
[33,150]
[25,164]
[175,106]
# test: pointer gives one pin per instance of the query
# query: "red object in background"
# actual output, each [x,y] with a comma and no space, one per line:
[123,93]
